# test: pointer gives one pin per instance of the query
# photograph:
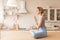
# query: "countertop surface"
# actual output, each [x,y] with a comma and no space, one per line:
[26,35]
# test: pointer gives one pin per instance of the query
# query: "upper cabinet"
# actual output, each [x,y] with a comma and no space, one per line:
[58,14]
[45,14]
[52,14]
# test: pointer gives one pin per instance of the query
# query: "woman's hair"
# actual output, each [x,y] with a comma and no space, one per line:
[40,9]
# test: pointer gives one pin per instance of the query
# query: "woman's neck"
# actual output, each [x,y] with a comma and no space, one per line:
[39,14]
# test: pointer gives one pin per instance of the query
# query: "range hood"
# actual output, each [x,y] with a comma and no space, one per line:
[22,6]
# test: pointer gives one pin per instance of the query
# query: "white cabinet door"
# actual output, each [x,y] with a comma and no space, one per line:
[46,14]
[52,12]
[58,14]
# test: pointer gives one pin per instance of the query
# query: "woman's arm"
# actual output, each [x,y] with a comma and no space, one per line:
[41,22]
[35,20]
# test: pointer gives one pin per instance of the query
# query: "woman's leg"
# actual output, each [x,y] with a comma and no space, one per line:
[33,33]
[36,33]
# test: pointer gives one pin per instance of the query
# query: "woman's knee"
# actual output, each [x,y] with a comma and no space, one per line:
[35,36]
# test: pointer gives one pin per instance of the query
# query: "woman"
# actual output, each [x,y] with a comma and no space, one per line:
[39,23]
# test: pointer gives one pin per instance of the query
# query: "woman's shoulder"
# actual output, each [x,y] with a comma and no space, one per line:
[38,16]
[42,17]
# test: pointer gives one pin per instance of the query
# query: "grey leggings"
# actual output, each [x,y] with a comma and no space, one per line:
[39,33]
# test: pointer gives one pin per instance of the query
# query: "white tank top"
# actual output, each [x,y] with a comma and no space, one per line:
[38,20]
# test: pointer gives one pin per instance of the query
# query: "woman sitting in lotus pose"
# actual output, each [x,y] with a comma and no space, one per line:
[40,25]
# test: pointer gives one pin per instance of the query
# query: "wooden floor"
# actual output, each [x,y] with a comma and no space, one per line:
[25,35]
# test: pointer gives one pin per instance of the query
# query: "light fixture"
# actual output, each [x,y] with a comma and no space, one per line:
[12,7]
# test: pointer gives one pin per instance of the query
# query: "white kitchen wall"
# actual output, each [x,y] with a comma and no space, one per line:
[9,21]
[26,20]
[1,12]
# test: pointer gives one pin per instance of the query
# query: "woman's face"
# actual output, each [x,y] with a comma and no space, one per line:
[38,11]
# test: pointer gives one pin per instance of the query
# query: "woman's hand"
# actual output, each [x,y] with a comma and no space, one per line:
[37,27]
